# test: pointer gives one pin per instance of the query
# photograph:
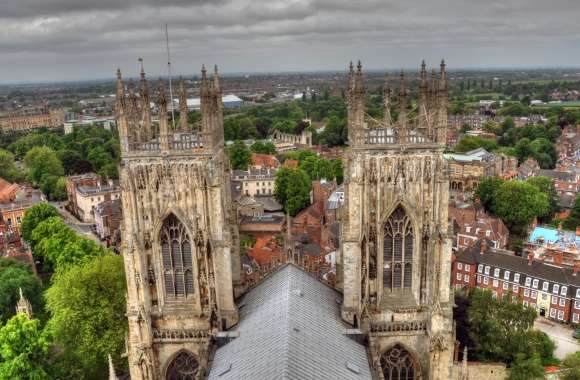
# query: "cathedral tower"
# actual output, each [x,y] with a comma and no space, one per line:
[179,247]
[396,252]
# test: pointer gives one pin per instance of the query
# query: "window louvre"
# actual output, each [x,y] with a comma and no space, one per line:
[177,258]
[398,251]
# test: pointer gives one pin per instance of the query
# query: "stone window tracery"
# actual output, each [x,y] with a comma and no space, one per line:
[398,251]
[176,258]
[398,364]
[183,367]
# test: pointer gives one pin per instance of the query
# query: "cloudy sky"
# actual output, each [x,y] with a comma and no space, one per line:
[84,39]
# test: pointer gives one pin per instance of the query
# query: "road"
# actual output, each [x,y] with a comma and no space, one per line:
[83,229]
[561,334]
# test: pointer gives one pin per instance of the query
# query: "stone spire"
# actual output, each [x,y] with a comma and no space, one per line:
[216,82]
[402,127]
[163,126]
[121,113]
[357,106]
[442,104]
[423,100]
[182,107]
[112,374]
[23,306]
[387,119]
[146,130]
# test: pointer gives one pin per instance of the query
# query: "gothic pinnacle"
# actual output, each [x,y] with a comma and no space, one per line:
[119,77]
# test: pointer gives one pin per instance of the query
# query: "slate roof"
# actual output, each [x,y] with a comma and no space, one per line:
[290,328]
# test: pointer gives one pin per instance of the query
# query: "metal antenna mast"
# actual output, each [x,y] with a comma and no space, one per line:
[170,76]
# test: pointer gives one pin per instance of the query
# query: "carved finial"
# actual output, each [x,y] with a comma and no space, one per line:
[351,67]
[216,80]
[119,77]
[359,66]
[142,68]
[112,374]
[23,306]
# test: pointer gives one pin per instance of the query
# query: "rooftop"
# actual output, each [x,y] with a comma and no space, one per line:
[290,328]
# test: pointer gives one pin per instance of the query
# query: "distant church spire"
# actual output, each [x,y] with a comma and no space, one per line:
[23,306]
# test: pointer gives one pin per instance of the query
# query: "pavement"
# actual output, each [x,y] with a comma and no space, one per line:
[82,228]
[561,334]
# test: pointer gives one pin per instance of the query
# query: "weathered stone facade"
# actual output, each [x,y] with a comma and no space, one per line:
[396,248]
[179,234]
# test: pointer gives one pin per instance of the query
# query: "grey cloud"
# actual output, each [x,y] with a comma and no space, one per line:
[283,34]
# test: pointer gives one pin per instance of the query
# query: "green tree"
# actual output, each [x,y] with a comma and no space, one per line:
[571,367]
[546,186]
[24,350]
[486,190]
[42,161]
[13,277]
[517,203]
[34,216]
[527,368]
[239,155]
[468,143]
[292,189]
[8,170]
[87,307]
[264,147]
[335,132]
[573,220]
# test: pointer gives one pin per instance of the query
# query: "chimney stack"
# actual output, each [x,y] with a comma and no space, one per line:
[482,247]
[576,268]
[577,230]
[530,258]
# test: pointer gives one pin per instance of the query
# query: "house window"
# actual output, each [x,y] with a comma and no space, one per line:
[458,276]
[534,294]
[398,251]
[487,269]
[177,258]
[575,318]
[459,266]
[535,284]
[576,304]
[564,290]
[496,272]
[554,300]
[466,278]
[562,301]
[552,313]
[528,281]
[506,275]
[577,293]
[478,279]
[468,229]
[480,268]
[545,286]
[556,289]
[527,292]
[517,277]
[494,294]
[516,288]
[526,303]
[467,267]
[505,285]
[560,315]
[486,280]
[495,283]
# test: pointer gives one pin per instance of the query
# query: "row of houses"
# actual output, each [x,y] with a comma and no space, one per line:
[553,291]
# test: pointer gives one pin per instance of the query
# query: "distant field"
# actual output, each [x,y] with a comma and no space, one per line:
[575,104]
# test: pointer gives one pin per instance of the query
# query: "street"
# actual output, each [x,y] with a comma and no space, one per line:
[83,229]
[561,334]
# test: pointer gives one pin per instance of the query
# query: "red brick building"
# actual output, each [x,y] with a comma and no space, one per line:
[552,291]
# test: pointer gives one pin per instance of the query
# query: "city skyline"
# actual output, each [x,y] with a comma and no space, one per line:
[56,40]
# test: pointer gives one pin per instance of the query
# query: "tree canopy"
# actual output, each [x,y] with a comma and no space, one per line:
[87,307]
[468,143]
[292,189]
[24,350]
[34,216]
[264,147]
[573,221]
[239,155]
[13,277]
[571,367]
[8,169]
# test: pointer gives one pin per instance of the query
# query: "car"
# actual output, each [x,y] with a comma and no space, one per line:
[576,333]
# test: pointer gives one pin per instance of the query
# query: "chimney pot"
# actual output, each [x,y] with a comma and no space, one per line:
[530,258]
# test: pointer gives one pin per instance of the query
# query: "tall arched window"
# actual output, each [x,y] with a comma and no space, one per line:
[398,251]
[183,367]
[177,258]
[398,364]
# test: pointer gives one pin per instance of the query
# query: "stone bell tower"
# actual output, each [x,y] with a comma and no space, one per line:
[396,252]
[179,247]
